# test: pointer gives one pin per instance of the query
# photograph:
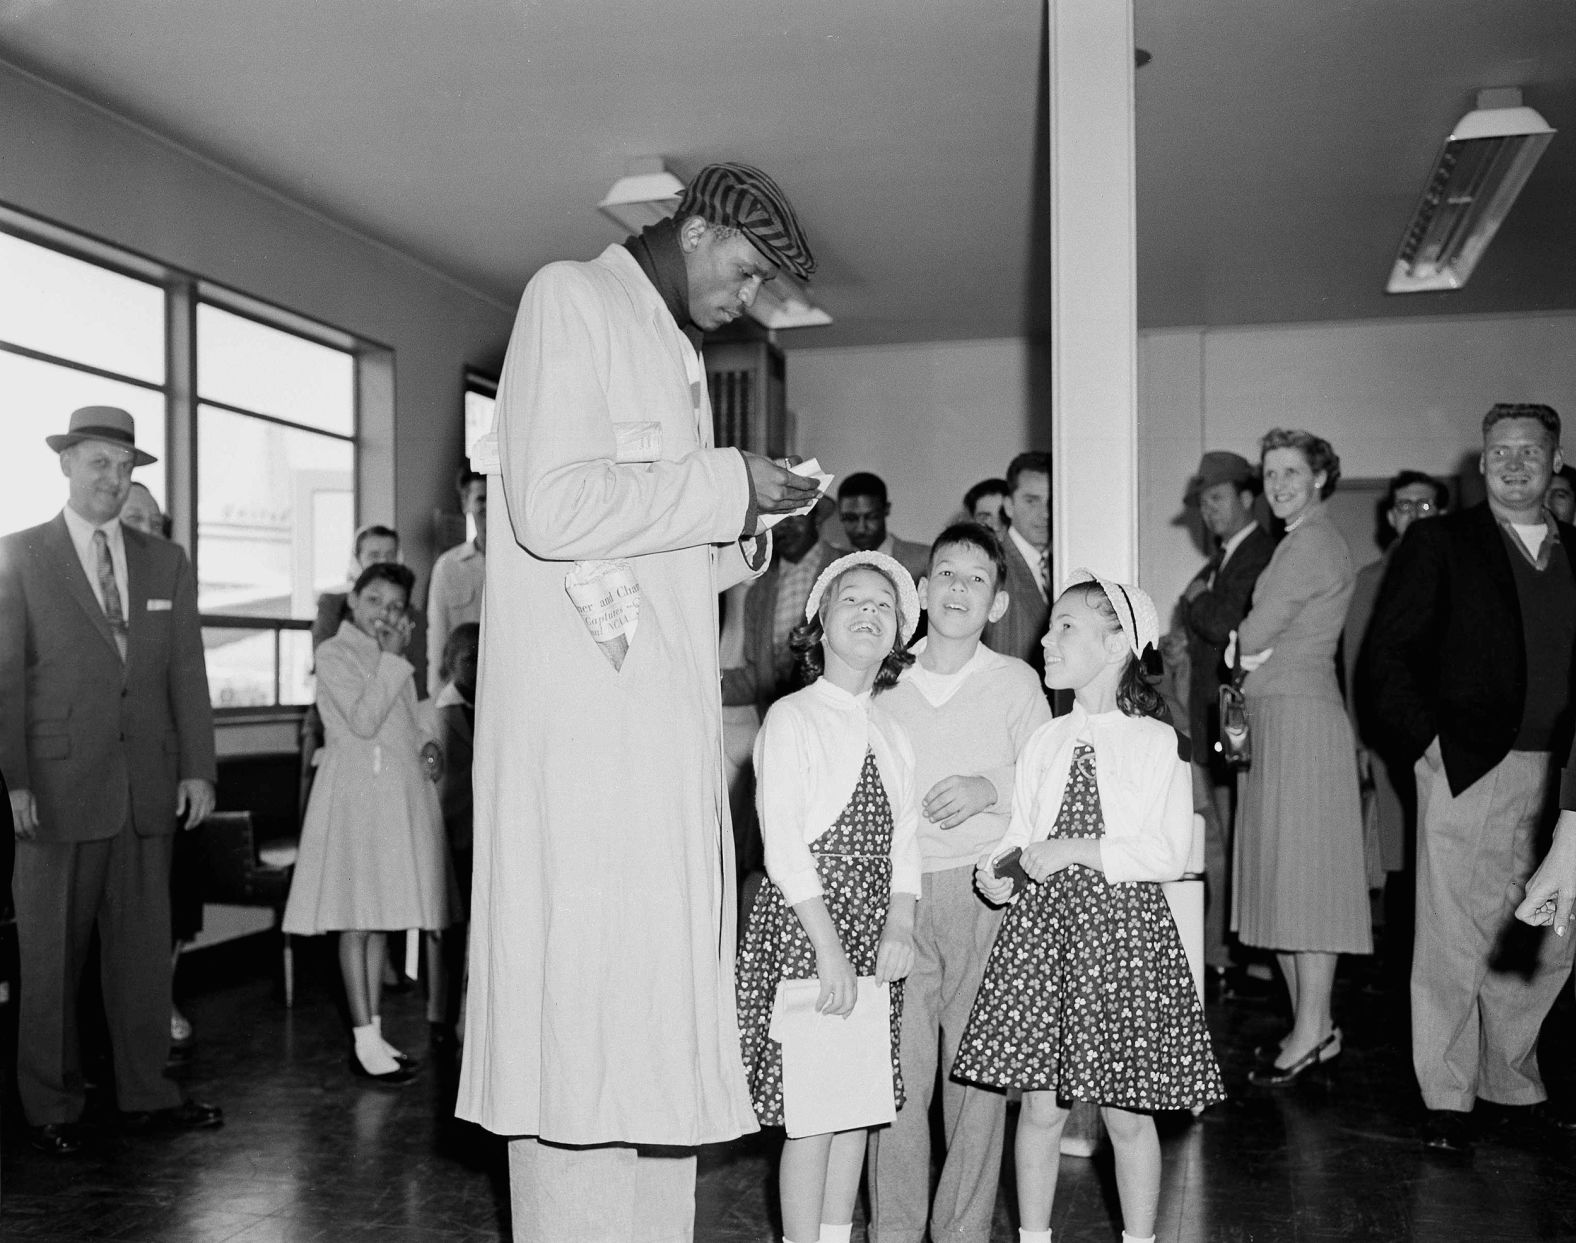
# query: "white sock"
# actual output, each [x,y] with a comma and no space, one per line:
[836,1234]
[1033,1236]
[1135,1238]
[371,1052]
[377,1023]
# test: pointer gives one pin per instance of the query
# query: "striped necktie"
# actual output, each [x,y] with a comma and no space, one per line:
[110,590]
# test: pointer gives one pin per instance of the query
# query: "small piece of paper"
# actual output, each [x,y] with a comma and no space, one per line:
[810,470]
[837,1072]
[607,596]
[638,442]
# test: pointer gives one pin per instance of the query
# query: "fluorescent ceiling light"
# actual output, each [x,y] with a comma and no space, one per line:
[1485,162]
[642,197]
[648,193]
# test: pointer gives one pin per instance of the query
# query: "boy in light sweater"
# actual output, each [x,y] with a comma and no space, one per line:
[967,711]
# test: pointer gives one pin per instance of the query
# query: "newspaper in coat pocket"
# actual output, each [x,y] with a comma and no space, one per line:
[607,596]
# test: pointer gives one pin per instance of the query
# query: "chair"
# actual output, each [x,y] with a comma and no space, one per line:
[238,873]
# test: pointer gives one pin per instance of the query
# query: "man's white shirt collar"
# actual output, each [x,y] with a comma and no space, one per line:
[1032,555]
[1235,542]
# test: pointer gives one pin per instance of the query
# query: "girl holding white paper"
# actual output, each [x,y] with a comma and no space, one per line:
[834,789]
[1087,995]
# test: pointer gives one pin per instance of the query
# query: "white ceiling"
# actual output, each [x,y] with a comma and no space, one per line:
[1281,143]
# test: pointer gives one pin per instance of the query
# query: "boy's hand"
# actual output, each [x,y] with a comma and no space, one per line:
[994,889]
[952,800]
[895,957]
[839,984]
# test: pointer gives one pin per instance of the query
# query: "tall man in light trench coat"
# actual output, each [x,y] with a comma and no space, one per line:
[601,1031]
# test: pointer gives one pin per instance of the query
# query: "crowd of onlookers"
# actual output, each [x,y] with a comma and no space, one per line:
[1408,722]
[107,757]
[1408,719]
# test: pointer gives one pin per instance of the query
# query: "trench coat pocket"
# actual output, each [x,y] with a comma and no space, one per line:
[606,594]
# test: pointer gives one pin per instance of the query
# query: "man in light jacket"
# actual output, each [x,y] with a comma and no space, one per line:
[601,1021]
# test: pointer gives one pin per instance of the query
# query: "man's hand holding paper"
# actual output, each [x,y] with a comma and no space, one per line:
[792,487]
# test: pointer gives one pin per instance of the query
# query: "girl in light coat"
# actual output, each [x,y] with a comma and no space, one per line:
[372,856]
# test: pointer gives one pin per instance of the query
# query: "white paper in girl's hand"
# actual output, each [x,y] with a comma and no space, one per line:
[810,470]
[606,594]
[837,1072]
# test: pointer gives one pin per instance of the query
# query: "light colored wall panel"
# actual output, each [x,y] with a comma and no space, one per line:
[930,419]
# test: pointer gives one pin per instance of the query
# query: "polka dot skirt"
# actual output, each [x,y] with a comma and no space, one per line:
[854,860]
[1087,991]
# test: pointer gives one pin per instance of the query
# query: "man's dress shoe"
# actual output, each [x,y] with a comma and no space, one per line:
[58,1139]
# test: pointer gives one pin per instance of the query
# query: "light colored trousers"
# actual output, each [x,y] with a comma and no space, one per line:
[1482,983]
[612,1194]
[953,933]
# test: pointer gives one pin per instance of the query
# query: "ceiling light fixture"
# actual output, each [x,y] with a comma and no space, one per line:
[1485,162]
[648,192]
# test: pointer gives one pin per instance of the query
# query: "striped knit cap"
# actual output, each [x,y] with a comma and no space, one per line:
[747,199]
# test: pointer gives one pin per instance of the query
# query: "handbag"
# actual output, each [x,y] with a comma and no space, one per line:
[1236,742]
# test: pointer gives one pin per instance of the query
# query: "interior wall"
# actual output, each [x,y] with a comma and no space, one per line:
[82,167]
[931,419]
[1388,395]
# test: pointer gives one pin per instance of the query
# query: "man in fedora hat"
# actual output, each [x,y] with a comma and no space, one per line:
[1214,602]
[106,740]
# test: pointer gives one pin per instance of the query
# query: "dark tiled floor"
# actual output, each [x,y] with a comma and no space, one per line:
[308,1153]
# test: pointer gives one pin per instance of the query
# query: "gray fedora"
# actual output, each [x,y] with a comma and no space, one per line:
[107,423]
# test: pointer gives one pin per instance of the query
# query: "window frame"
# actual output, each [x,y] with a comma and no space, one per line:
[183,290]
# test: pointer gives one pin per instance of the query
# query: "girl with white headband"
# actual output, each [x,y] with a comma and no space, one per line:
[1087,995]
[834,786]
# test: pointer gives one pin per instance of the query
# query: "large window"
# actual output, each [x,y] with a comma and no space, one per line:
[72,334]
[252,412]
[276,470]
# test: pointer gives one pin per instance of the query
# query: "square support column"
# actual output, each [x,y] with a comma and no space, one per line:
[1094,306]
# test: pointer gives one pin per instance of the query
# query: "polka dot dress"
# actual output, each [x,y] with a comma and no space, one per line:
[854,860]
[1087,991]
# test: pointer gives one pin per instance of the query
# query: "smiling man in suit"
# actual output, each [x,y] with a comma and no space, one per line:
[1213,604]
[106,740]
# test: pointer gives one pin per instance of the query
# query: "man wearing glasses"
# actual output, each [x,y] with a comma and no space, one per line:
[1389,797]
[1466,672]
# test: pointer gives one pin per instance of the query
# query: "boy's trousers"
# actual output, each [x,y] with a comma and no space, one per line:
[953,934]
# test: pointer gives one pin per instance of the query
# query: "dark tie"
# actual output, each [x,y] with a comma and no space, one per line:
[1045,571]
[111,591]
[1212,568]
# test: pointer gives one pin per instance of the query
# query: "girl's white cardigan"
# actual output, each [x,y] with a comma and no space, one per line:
[1146,792]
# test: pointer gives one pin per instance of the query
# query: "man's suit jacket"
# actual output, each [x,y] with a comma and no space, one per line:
[1444,655]
[1209,619]
[96,740]
[1022,626]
